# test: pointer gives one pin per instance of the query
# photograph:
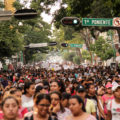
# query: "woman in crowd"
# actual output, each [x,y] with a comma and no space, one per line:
[57,107]
[77,108]
[56,85]
[10,107]
[1,98]
[113,106]
[65,99]
[42,104]
[68,90]
[107,97]
[40,89]
[27,98]
[18,94]
[91,94]
[89,104]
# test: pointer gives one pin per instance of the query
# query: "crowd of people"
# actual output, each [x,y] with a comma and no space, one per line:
[84,93]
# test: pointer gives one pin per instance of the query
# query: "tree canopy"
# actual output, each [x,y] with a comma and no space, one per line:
[89,9]
[15,34]
[102,49]
[10,41]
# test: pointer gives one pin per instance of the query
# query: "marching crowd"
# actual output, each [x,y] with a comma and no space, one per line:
[84,93]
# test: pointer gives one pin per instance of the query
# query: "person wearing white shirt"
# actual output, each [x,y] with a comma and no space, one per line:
[27,98]
[113,106]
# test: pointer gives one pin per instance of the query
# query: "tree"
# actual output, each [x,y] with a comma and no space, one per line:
[68,56]
[10,41]
[86,55]
[102,49]
[39,57]
[33,30]
[77,60]
[90,9]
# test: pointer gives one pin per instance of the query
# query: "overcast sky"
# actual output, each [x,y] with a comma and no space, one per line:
[46,17]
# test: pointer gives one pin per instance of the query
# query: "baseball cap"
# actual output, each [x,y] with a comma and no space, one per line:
[114,88]
[80,88]
[109,85]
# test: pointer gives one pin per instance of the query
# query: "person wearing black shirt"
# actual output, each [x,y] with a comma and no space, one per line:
[92,96]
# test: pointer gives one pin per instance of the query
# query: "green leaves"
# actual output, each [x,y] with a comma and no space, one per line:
[102,49]
[17,5]
[14,36]
[68,56]
[86,55]
[10,41]
[76,60]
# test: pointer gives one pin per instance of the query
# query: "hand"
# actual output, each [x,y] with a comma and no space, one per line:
[50,108]
[99,91]
[105,117]
[56,108]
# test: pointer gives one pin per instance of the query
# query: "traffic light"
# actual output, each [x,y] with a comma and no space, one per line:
[64,45]
[70,21]
[25,14]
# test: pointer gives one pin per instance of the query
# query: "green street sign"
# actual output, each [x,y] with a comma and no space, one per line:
[76,45]
[97,22]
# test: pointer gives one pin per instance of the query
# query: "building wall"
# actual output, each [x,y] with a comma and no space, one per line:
[9,5]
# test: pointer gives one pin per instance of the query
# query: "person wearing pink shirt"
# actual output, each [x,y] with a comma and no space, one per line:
[107,97]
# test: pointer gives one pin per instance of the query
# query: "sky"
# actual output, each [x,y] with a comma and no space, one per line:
[47,18]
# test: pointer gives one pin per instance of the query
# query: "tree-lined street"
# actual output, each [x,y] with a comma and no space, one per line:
[59,60]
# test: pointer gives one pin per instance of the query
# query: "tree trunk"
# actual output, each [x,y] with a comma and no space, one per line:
[87,37]
[88,47]
[118,31]
[79,53]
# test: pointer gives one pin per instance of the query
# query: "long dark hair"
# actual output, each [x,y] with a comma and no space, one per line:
[79,99]
[27,86]
[60,97]
[42,96]
[60,84]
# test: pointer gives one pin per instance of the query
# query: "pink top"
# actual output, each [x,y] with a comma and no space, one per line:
[1,115]
[14,78]
[106,99]
[91,117]
[22,111]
